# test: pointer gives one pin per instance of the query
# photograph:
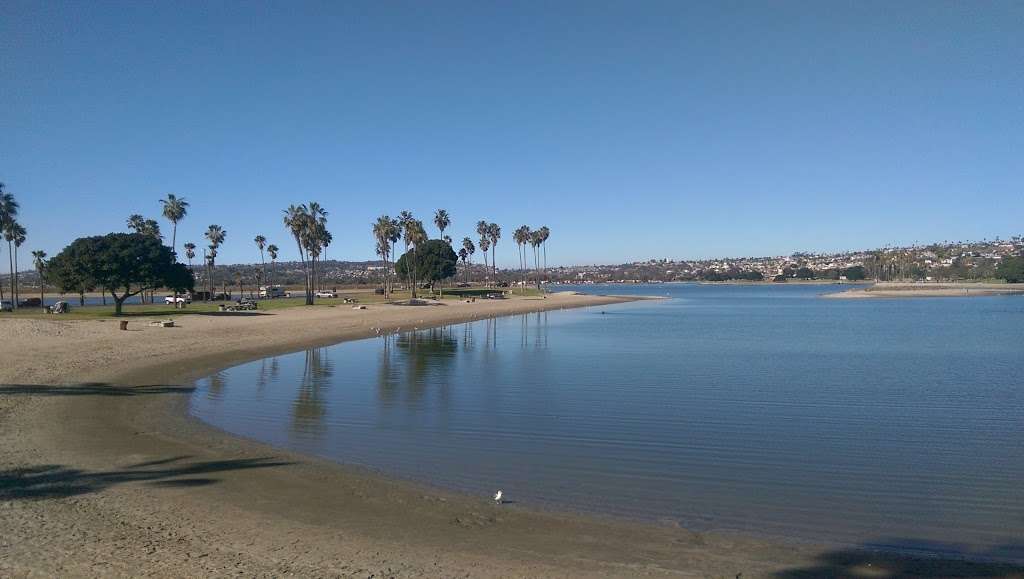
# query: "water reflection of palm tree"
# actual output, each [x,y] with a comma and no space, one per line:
[218,381]
[426,351]
[309,407]
[386,383]
[416,361]
[269,370]
[540,334]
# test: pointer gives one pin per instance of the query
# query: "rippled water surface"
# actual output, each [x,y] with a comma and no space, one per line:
[761,409]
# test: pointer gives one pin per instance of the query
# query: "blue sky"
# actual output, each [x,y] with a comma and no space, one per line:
[632,129]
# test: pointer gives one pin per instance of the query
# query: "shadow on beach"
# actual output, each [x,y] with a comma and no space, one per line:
[950,561]
[90,389]
[57,481]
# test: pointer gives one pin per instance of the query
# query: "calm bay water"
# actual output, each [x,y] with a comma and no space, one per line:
[763,409]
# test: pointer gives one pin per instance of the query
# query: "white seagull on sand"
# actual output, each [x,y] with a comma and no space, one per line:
[497,497]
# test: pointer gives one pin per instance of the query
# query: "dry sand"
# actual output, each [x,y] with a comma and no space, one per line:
[103,474]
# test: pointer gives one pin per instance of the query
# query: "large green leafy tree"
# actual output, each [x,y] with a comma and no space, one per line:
[124,264]
[435,260]
[64,273]
[1011,269]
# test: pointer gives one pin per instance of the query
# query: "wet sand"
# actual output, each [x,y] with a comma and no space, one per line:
[924,290]
[102,473]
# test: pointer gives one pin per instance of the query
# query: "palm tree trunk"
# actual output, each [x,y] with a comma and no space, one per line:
[17,294]
[412,273]
[10,262]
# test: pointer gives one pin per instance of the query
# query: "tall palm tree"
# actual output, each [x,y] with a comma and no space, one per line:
[442,221]
[384,231]
[272,252]
[39,261]
[215,234]
[317,239]
[535,241]
[485,245]
[544,234]
[485,241]
[416,236]
[494,234]
[261,243]
[463,255]
[467,244]
[405,222]
[8,212]
[396,235]
[19,239]
[11,234]
[295,219]
[190,252]
[521,236]
[174,210]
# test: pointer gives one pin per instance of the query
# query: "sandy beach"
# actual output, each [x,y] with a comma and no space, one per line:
[925,290]
[103,473]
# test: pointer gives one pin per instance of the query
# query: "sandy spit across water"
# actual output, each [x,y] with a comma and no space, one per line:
[925,290]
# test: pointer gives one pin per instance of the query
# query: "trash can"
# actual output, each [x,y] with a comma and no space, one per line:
[124,324]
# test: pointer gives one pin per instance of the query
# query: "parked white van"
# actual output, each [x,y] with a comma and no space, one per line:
[272,291]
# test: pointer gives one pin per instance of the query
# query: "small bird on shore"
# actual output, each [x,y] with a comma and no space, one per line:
[497,497]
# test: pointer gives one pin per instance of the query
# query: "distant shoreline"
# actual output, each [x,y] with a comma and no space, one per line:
[927,290]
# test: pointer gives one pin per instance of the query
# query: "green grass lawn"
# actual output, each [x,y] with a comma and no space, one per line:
[159,310]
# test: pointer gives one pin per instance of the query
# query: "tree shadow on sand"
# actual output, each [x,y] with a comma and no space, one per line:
[57,481]
[90,389]
[934,561]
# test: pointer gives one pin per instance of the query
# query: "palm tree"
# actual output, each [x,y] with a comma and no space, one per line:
[261,243]
[395,235]
[19,239]
[494,234]
[136,222]
[442,221]
[215,234]
[521,236]
[485,241]
[535,241]
[39,260]
[416,236]
[190,252]
[405,221]
[8,211]
[140,224]
[485,245]
[317,239]
[272,252]
[544,234]
[174,211]
[384,230]
[12,233]
[463,255]
[467,244]
[295,219]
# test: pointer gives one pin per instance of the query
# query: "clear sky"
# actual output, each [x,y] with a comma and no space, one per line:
[632,129]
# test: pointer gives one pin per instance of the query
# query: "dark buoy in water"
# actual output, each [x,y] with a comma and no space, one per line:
[602,312]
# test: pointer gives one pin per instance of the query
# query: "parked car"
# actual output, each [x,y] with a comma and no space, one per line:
[185,299]
[326,294]
[6,306]
[31,303]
